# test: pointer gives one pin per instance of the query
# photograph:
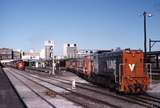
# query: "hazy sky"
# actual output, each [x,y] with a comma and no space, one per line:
[92,24]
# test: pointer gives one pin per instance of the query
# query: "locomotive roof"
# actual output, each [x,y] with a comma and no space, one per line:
[102,51]
[117,52]
[108,52]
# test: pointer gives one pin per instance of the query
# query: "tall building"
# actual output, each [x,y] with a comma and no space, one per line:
[70,50]
[6,53]
[42,54]
[48,49]
[17,54]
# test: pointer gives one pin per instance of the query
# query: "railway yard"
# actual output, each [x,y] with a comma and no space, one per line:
[79,54]
[38,89]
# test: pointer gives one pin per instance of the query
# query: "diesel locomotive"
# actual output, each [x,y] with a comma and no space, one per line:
[18,64]
[123,71]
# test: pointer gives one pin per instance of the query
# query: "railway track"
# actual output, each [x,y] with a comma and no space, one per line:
[151,101]
[140,100]
[79,98]
[152,96]
[34,91]
[147,100]
[143,100]
[63,95]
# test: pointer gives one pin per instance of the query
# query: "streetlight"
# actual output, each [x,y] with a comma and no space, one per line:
[145,14]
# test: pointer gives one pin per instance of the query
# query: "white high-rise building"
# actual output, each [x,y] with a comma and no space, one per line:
[42,54]
[48,49]
[70,50]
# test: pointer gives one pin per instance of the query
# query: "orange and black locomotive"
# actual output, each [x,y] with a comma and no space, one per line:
[122,70]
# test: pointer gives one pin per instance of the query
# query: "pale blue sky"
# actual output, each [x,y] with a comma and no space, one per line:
[92,24]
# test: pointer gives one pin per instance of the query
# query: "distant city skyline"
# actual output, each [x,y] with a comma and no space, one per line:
[91,24]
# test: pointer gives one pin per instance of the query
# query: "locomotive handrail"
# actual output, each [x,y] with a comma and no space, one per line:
[120,70]
[149,72]
[115,76]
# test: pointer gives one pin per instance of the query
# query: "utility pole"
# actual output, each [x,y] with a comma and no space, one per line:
[145,43]
[53,65]
[145,14]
